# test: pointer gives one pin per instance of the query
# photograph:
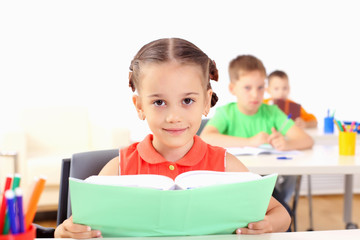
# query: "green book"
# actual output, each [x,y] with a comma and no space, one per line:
[196,203]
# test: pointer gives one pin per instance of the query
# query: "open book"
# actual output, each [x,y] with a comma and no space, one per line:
[263,149]
[210,203]
[187,180]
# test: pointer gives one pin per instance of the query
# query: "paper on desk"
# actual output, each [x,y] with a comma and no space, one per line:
[129,211]
[258,150]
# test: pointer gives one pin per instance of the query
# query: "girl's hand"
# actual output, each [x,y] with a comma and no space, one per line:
[259,139]
[263,226]
[277,140]
[68,229]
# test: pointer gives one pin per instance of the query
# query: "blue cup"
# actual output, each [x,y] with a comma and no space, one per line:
[329,125]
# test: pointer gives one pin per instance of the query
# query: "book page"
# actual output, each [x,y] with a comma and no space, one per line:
[196,179]
[237,151]
[141,180]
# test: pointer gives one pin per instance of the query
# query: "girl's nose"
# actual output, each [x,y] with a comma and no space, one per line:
[173,116]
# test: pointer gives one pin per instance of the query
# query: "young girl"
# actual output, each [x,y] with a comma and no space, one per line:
[171,78]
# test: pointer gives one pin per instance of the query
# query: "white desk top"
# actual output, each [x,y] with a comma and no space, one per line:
[313,235]
[321,159]
[321,138]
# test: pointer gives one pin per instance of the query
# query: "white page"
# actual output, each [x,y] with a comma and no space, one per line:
[141,180]
[257,150]
[195,179]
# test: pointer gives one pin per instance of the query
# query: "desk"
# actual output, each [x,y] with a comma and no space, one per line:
[328,235]
[321,159]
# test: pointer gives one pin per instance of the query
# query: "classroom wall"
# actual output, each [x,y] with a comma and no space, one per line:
[78,52]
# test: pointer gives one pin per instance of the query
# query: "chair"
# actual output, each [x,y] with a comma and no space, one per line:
[81,165]
[202,125]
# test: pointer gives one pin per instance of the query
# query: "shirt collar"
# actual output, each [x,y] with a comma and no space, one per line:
[148,153]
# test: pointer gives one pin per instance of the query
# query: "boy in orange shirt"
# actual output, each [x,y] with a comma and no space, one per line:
[279,88]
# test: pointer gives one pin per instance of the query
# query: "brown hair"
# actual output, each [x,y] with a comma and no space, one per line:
[278,73]
[168,49]
[245,63]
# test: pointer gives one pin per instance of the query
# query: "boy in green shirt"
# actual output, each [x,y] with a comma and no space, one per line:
[250,122]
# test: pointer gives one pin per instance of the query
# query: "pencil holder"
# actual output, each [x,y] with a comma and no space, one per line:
[28,235]
[329,125]
[347,143]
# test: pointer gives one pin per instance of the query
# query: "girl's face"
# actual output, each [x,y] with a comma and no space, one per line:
[172,99]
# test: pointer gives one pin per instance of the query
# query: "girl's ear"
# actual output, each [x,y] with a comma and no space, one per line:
[137,103]
[208,102]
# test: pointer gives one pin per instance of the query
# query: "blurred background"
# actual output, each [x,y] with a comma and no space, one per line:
[78,52]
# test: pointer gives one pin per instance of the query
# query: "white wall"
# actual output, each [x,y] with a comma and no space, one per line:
[78,52]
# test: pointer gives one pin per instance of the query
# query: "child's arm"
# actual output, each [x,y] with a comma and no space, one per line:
[211,135]
[68,229]
[111,168]
[305,124]
[296,139]
[276,219]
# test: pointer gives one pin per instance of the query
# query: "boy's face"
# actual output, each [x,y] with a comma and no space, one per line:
[278,88]
[172,99]
[249,91]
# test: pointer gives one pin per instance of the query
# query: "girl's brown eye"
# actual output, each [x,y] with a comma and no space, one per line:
[188,101]
[159,102]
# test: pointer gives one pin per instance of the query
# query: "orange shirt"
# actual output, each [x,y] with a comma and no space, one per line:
[303,114]
[142,158]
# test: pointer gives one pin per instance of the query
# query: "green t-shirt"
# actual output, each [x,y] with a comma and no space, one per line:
[230,121]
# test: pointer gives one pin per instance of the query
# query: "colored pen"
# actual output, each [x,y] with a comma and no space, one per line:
[351,126]
[343,126]
[328,113]
[3,204]
[16,181]
[284,124]
[20,210]
[284,158]
[10,200]
[337,125]
[333,113]
[340,126]
[356,127]
[33,201]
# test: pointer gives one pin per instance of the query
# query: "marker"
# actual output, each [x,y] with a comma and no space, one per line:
[284,158]
[351,126]
[3,206]
[340,126]
[356,127]
[33,202]
[343,126]
[284,124]
[16,181]
[337,125]
[10,200]
[333,113]
[20,210]
[328,113]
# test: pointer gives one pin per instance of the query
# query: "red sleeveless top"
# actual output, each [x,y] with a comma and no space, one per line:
[142,158]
